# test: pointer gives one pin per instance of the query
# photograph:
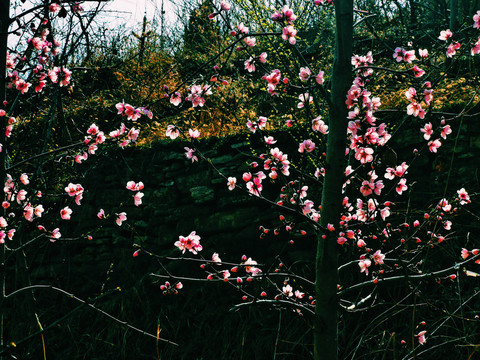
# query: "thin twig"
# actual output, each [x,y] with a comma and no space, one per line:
[88,303]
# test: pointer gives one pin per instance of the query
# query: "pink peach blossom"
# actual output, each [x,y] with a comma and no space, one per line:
[319,78]
[401,186]
[463,196]
[172,132]
[421,337]
[289,33]
[319,125]
[176,99]
[231,181]
[364,265]
[190,243]
[304,74]
[378,257]
[24,179]
[250,41]
[66,213]
[121,218]
[101,214]
[137,198]
[55,235]
[445,35]
[433,145]
[307,145]
[288,290]
[194,134]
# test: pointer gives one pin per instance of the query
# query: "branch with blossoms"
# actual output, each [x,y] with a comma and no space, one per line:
[374,232]
[386,241]
[38,207]
[439,274]
[363,154]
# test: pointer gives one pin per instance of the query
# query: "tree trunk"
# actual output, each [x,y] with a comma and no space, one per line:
[413,14]
[4,23]
[453,15]
[325,332]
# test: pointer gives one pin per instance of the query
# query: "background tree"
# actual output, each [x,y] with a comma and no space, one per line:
[39,148]
[383,245]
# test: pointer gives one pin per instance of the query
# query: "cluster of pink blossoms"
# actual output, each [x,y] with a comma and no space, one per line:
[427,131]
[224,6]
[304,99]
[319,125]
[254,182]
[399,171]
[364,263]
[452,48]
[323,2]
[308,207]
[446,35]
[131,112]
[273,79]
[9,128]
[371,185]
[136,187]
[259,124]
[14,192]
[123,135]
[305,73]
[464,253]
[76,191]
[196,94]
[43,70]
[288,292]
[442,212]
[276,161]
[168,288]
[250,63]
[137,200]
[248,265]
[476,24]
[96,137]
[415,107]
[364,134]
[190,243]
[243,30]
[287,16]
[400,54]
[55,8]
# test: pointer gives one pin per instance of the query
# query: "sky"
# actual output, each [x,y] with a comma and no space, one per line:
[116,12]
[131,12]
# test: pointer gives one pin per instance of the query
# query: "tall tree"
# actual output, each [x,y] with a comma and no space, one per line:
[326,280]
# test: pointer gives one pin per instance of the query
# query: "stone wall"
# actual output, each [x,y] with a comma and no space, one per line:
[181,197]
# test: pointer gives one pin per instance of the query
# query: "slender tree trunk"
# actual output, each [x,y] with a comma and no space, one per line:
[142,39]
[4,23]
[413,14]
[453,25]
[453,15]
[325,334]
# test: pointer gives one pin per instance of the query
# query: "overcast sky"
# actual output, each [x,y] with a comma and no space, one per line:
[131,11]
